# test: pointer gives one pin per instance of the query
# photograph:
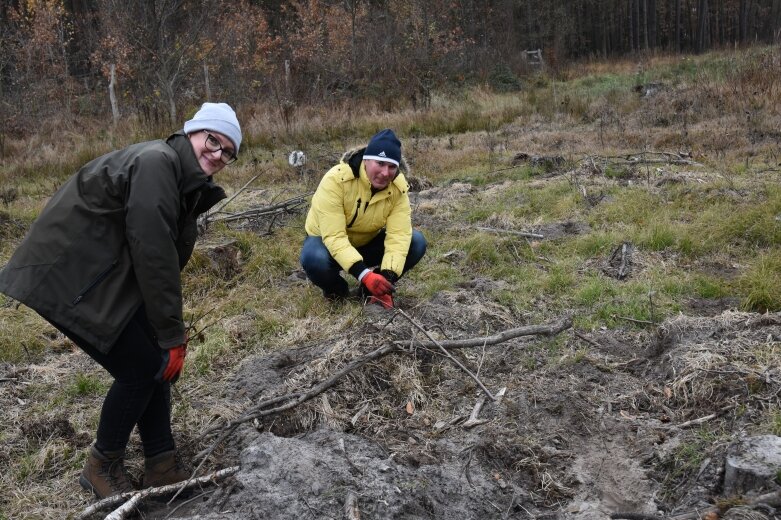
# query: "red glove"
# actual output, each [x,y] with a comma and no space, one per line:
[173,361]
[377,284]
[385,300]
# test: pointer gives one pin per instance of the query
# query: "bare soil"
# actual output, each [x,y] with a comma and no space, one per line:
[590,424]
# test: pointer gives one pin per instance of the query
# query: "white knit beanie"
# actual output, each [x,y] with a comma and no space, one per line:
[217,117]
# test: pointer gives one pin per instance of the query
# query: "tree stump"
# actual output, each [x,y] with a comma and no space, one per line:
[752,465]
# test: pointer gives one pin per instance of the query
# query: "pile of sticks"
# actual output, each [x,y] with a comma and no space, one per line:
[273,213]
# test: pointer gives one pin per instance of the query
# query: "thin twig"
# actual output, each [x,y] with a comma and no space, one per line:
[199,496]
[701,420]
[510,232]
[588,340]
[449,356]
[233,196]
[633,320]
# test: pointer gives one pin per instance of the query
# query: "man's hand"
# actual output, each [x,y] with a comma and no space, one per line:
[173,361]
[378,285]
[385,300]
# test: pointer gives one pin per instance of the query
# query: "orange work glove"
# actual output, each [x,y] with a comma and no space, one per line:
[377,284]
[173,361]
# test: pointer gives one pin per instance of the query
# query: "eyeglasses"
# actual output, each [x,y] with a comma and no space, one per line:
[212,144]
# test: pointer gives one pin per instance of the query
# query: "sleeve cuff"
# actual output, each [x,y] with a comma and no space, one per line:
[357,269]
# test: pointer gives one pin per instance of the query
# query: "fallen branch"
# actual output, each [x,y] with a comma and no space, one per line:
[510,232]
[528,330]
[351,509]
[701,420]
[473,417]
[135,497]
[473,420]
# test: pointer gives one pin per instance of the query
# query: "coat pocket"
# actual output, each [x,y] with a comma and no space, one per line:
[95,282]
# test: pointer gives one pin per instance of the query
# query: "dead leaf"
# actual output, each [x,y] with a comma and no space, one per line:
[626,415]
[668,393]
[410,407]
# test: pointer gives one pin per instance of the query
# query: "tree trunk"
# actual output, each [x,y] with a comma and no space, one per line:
[743,20]
[775,21]
[652,38]
[207,86]
[645,24]
[702,25]
[677,25]
[171,96]
[112,95]
[691,27]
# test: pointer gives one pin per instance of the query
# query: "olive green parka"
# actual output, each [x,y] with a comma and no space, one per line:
[115,236]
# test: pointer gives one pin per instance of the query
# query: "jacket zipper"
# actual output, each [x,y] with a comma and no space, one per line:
[357,209]
[102,276]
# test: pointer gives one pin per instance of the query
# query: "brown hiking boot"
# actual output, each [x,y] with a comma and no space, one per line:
[163,469]
[104,474]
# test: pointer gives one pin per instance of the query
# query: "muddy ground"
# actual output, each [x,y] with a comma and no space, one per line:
[591,424]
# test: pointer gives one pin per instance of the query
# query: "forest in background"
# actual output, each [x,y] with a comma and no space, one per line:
[167,56]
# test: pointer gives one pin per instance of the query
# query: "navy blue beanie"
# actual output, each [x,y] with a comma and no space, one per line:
[384,146]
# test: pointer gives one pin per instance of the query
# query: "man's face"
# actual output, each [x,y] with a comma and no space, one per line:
[380,173]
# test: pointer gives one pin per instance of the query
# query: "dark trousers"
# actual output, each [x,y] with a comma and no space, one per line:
[323,270]
[135,398]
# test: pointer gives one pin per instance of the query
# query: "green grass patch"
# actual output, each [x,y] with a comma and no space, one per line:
[657,236]
[84,385]
[709,287]
[761,284]
[594,290]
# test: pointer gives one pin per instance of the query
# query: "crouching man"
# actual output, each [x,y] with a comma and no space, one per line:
[360,222]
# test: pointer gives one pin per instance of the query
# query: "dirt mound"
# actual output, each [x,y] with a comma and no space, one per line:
[318,472]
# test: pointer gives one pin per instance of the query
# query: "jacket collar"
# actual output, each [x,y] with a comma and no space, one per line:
[193,177]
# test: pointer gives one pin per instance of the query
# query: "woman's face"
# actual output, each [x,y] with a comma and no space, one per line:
[212,149]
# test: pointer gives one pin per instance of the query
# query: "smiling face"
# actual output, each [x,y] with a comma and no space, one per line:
[380,173]
[208,154]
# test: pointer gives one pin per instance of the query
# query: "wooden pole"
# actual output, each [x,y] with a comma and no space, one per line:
[112,94]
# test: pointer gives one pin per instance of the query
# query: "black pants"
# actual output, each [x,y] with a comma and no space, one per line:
[135,398]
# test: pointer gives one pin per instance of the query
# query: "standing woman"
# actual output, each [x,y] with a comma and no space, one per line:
[102,264]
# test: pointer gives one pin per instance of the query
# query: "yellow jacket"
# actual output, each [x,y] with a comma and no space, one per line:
[346,215]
